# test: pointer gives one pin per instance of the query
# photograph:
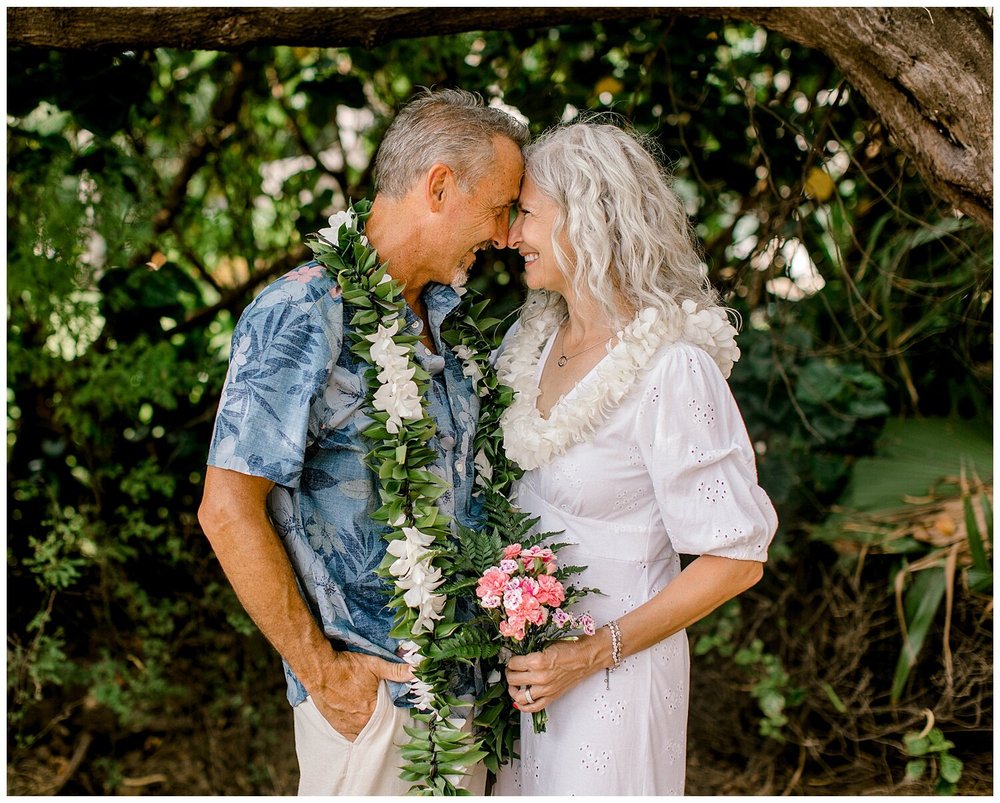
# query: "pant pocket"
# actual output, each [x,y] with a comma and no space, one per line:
[382,702]
[322,724]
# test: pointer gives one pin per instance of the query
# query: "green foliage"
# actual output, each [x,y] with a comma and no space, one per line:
[808,415]
[920,461]
[912,458]
[152,193]
[921,606]
[768,681]
[931,757]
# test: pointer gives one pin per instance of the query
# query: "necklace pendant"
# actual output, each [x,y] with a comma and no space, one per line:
[562,361]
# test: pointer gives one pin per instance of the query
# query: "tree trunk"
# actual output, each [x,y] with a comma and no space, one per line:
[927,73]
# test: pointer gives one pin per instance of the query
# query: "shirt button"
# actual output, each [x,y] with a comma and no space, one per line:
[447,442]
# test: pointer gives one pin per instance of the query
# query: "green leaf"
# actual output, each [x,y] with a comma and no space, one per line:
[819,382]
[833,697]
[950,768]
[938,742]
[922,603]
[868,408]
[412,752]
[916,745]
[912,456]
[916,769]
[976,548]
[980,581]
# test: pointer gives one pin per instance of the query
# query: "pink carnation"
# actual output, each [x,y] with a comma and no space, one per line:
[492,583]
[513,628]
[508,566]
[529,585]
[532,610]
[512,551]
[560,617]
[550,591]
[587,623]
[545,555]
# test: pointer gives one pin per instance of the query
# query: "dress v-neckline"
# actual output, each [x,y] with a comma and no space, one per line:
[531,440]
[542,360]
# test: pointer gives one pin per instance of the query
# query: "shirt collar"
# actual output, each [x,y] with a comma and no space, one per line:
[440,300]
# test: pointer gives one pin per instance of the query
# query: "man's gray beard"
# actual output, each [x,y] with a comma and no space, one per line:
[461,277]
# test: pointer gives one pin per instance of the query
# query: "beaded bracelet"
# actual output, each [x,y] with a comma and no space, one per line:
[616,644]
[616,651]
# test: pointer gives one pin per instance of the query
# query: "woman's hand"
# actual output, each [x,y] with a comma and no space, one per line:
[557,669]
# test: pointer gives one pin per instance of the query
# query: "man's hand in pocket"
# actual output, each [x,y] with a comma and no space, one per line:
[348,695]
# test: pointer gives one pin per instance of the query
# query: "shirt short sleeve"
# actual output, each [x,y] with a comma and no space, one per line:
[282,353]
[696,448]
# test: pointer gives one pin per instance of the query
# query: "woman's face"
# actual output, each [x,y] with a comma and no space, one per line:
[531,235]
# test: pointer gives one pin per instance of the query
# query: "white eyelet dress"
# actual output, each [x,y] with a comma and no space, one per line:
[668,470]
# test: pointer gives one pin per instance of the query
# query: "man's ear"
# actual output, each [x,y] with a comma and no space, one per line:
[437,183]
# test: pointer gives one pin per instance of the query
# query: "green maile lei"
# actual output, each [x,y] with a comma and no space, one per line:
[430,567]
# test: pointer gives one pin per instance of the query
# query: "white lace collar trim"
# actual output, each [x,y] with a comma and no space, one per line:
[532,441]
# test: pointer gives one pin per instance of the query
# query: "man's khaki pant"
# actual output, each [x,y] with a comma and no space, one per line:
[329,764]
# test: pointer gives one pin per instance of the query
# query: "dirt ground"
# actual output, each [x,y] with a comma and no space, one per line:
[842,736]
[256,757]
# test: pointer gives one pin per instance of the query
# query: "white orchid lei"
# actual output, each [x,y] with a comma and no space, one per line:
[532,441]
[428,571]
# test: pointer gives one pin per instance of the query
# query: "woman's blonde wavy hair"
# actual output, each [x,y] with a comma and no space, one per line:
[633,246]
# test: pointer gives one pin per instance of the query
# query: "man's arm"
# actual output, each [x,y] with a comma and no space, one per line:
[343,685]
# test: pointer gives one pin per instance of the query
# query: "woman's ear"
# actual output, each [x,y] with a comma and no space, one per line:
[437,183]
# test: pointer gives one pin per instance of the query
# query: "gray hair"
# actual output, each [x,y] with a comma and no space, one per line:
[631,239]
[447,126]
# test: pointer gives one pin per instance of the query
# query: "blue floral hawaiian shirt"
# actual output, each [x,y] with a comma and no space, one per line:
[291,412]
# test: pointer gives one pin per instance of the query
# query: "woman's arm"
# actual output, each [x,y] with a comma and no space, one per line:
[702,587]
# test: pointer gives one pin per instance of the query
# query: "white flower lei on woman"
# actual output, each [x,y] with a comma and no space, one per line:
[420,555]
[532,441]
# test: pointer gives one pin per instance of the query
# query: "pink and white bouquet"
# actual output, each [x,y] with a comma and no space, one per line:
[525,597]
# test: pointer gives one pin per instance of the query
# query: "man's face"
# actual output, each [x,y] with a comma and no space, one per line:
[481,217]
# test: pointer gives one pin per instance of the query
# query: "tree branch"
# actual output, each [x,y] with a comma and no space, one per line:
[239,28]
[927,73]
[231,297]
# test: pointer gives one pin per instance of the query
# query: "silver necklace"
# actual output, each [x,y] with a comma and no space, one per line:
[565,358]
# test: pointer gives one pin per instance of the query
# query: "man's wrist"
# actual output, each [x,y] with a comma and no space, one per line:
[319,662]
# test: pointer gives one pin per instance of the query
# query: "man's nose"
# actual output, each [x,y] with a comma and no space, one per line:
[501,235]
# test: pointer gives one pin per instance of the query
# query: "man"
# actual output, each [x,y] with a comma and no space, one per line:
[288,500]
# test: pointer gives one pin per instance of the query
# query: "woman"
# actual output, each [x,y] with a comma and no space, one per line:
[634,448]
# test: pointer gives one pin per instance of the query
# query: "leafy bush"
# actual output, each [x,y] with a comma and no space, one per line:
[151,194]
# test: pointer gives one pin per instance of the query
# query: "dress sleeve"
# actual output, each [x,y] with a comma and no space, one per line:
[696,449]
[281,357]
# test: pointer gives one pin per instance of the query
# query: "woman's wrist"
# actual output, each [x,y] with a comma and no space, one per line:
[599,650]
